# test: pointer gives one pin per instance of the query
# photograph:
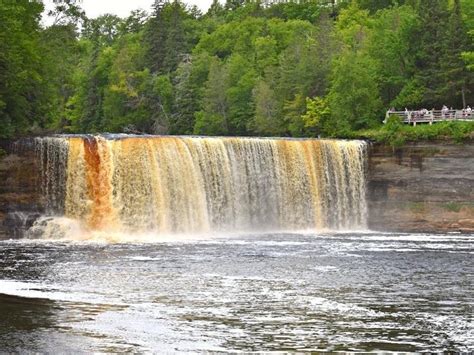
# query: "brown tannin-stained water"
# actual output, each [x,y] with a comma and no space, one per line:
[197,185]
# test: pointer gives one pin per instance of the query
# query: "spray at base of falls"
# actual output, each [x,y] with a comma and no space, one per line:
[166,185]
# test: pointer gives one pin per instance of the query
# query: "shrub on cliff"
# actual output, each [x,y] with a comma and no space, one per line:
[392,132]
[395,133]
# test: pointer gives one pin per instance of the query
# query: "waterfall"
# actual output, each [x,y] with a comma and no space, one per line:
[196,184]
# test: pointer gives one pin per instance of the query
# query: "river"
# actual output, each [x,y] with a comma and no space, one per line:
[240,292]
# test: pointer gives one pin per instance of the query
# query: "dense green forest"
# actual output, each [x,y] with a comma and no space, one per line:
[314,68]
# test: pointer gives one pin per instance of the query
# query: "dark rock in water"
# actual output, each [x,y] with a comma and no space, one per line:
[18,223]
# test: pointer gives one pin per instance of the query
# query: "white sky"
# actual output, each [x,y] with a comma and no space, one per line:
[122,8]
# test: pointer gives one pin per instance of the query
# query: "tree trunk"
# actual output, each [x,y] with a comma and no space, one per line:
[463,94]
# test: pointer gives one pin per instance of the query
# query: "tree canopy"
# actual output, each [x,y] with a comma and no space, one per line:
[312,68]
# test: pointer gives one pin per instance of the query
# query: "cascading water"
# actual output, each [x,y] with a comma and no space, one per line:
[194,185]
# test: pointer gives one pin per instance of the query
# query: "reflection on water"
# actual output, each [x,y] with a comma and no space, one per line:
[262,292]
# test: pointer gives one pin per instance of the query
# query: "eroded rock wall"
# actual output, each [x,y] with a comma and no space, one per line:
[20,197]
[422,187]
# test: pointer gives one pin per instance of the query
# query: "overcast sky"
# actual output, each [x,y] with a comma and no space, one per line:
[122,8]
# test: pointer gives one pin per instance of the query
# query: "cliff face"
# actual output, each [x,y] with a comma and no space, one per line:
[422,187]
[20,197]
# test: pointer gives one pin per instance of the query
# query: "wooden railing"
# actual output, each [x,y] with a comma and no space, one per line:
[425,116]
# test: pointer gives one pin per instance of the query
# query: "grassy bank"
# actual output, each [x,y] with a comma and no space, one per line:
[397,133]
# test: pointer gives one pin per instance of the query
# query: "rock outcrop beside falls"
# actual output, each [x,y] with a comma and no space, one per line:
[422,187]
[20,197]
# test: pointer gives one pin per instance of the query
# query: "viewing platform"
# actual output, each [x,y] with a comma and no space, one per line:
[430,116]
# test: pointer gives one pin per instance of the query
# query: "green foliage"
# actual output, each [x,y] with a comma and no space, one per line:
[66,12]
[289,69]
[417,207]
[22,103]
[389,46]
[267,109]
[213,119]
[396,133]
[353,96]
[317,118]
[452,207]
[411,95]
[165,38]
[393,132]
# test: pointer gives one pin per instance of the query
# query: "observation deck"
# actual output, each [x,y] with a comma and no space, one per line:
[430,116]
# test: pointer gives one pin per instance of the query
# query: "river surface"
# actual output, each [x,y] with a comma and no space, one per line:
[265,292]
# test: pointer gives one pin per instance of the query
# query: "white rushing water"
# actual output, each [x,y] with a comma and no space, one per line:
[168,185]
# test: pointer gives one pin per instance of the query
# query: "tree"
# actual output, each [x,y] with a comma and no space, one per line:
[239,94]
[154,41]
[389,46]
[317,118]
[232,5]
[375,5]
[165,38]
[103,30]
[175,44]
[213,118]
[67,12]
[216,10]
[354,97]
[457,79]
[134,23]
[23,103]
[59,41]
[468,56]
[267,111]
[428,47]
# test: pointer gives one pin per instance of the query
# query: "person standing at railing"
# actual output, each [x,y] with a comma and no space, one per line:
[444,111]
[468,111]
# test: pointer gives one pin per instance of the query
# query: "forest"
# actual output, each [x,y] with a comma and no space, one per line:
[243,68]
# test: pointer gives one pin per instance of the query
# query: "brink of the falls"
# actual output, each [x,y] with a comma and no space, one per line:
[196,185]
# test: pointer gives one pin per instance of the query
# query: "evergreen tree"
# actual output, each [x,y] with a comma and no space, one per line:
[213,119]
[186,100]
[156,32]
[458,80]
[428,49]
[232,5]
[216,10]
[175,43]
